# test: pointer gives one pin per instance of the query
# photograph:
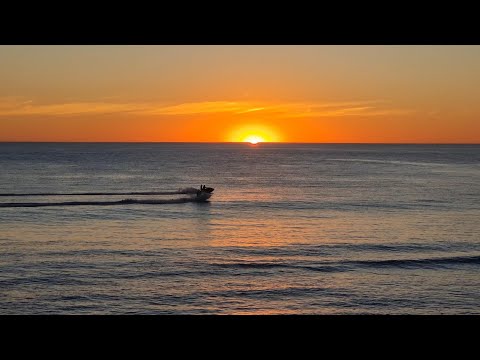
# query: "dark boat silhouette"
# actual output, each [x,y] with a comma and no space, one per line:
[204,193]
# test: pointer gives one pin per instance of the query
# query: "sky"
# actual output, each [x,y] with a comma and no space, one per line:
[319,94]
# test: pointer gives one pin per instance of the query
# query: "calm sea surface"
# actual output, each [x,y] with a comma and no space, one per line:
[290,229]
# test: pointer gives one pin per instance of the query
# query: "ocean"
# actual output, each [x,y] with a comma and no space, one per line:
[290,229]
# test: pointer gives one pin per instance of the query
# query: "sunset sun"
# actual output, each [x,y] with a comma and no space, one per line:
[254,134]
[254,139]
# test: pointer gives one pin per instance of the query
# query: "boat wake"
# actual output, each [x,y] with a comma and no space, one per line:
[99,203]
[188,190]
[194,195]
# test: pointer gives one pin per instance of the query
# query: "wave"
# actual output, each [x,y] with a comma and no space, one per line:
[349,265]
[98,203]
[272,265]
[426,262]
[188,190]
[391,162]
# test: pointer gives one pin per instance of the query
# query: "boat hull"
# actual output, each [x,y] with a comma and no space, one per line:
[202,196]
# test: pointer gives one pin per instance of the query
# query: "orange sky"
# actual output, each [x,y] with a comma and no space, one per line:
[355,94]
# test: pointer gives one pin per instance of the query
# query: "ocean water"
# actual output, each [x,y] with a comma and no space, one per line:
[290,229]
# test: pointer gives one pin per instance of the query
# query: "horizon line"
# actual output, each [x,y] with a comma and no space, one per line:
[237,142]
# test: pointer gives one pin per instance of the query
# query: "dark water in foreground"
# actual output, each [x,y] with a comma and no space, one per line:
[290,229]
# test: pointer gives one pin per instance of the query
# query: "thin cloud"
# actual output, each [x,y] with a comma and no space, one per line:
[9,107]
[14,106]
[250,110]
[193,108]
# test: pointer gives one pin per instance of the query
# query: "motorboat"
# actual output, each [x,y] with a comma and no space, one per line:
[204,193]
